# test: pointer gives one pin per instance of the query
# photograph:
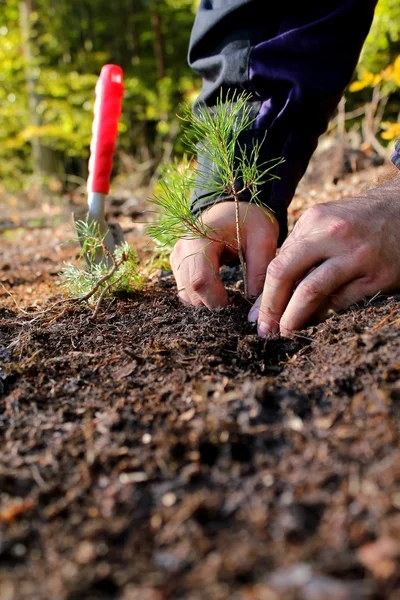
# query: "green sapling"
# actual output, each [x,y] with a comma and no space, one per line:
[217,132]
[96,281]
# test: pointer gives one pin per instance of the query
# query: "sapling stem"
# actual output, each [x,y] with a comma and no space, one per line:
[239,246]
[98,281]
[229,168]
[224,162]
[102,280]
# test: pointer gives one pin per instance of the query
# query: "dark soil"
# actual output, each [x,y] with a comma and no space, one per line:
[160,452]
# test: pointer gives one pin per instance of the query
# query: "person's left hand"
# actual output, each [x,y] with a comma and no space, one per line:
[196,262]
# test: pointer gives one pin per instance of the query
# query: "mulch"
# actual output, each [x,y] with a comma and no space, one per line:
[163,452]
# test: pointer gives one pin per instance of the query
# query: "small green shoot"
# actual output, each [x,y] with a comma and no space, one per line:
[98,281]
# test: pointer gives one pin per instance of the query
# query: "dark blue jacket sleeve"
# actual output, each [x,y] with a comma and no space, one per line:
[296,61]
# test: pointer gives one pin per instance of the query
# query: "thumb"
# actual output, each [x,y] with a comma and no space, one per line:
[258,255]
[195,264]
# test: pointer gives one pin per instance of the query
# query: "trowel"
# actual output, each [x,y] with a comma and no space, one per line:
[107,110]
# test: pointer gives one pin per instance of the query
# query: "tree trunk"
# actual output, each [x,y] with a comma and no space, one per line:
[132,34]
[24,23]
[158,40]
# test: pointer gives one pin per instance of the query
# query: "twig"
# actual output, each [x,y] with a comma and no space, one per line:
[38,478]
[15,509]
[10,323]
[198,232]
[25,312]
[61,314]
[380,112]
[102,296]
[370,122]
[239,245]
[341,117]
[102,280]
[14,300]
[353,114]
[237,217]
[385,320]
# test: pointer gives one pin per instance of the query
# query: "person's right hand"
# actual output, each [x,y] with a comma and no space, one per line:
[196,262]
[337,254]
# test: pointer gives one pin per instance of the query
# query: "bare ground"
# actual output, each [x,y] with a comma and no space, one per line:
[160,452]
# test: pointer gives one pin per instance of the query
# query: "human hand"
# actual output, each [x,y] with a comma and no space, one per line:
[337,254]
[196,262]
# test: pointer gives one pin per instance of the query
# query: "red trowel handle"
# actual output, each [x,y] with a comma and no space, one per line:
[107,110]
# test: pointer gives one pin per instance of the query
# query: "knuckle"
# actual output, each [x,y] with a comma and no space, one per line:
[267,313]
[308,292]
[314,213]
[364,254]
[339,228]
[198,282]
[321,217]
[379,279]
[276,268]
[387,277]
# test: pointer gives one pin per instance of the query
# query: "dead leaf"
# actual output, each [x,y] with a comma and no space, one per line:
[14,509]
[380,556]
[125,371]
[188,415]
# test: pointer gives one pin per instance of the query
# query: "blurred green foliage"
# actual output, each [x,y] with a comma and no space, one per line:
[376,83]
[383,41]
[69,42]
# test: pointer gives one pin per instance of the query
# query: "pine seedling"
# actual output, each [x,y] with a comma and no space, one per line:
[217,132]
[174,219]
[98,280]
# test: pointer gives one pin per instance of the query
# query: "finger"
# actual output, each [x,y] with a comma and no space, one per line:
[204,281]
[198,273]
[345,297]
[291,265]
[258,255]
[255,310]
[181,288]
[182,277]
[184,297]
[315,291]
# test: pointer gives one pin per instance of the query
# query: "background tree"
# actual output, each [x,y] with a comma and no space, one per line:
[68,44]
[373,98]
[51,54]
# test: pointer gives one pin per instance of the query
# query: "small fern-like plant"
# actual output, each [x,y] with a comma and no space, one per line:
[217,132]
[98,280]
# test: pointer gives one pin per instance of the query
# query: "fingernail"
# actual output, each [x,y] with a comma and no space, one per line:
[263,330]
[253,315]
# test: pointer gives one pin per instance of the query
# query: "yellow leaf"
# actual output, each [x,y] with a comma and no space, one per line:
[392,130]
[366,80]
[356,86]
[387,73]
[396,71]
[387,135]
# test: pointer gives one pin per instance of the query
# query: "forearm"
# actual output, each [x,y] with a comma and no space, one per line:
[296,65]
